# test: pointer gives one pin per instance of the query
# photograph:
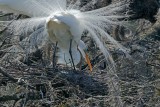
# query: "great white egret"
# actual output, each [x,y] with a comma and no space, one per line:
[64,23]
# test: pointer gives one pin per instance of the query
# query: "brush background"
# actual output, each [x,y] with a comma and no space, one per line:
[139,76]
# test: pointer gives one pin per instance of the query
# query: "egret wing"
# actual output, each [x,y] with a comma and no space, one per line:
[99,22]
[33,8]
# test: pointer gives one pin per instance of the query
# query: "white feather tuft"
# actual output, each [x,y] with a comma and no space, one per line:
[97,22]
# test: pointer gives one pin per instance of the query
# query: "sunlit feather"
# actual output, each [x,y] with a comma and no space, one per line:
[73,16]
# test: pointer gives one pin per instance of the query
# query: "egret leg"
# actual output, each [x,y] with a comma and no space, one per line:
[54,56]
[70,52]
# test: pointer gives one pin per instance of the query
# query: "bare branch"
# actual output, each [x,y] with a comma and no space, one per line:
[7,75]
[16,97]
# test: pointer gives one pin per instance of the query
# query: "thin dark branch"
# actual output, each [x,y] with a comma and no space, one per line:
[7,14]
[2,31]
[16,97]
[54,55]
[7,75]
[13,79]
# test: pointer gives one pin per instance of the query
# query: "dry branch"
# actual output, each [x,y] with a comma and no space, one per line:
[16,97]
[7,75]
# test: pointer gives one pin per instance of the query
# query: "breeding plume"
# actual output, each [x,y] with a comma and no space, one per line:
[64,22]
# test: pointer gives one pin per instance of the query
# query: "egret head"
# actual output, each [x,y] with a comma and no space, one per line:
[62,27]
[61,22]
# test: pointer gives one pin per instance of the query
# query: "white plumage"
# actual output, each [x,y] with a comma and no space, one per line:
[61,28]
[63,23]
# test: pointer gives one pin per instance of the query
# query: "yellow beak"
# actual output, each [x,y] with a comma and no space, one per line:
[88,62]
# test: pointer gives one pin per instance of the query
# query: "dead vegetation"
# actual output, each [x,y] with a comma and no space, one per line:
[33,82]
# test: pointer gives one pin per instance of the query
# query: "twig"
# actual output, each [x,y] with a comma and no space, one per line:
[15,80]
[2,31]
[7,75]
[16,97]
[8,14]
[54,55]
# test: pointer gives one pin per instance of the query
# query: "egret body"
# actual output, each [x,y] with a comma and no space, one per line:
[62,28]
[62,23]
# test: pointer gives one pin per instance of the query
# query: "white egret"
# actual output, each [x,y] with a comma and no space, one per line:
[64,23]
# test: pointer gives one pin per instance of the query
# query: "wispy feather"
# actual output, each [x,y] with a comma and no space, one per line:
[58,19]
[97,21]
